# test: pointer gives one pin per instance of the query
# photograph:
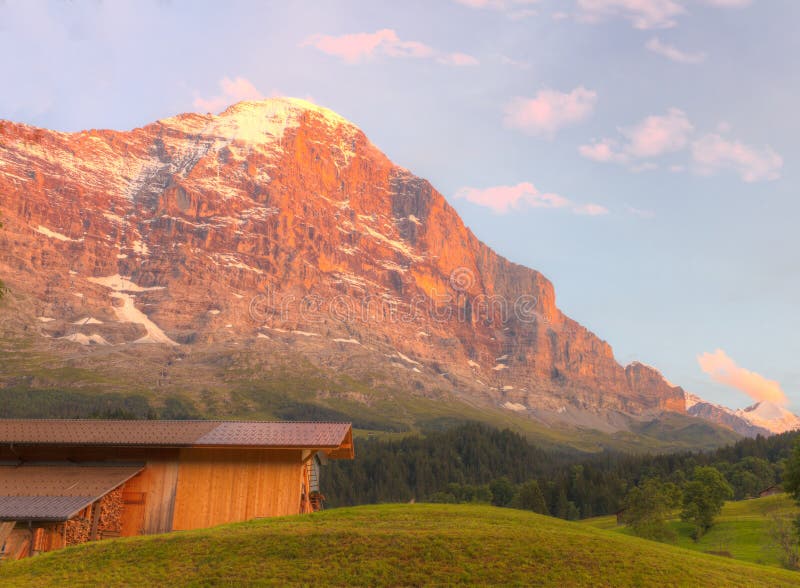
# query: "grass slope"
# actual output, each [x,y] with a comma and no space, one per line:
[742,530]
[390,545]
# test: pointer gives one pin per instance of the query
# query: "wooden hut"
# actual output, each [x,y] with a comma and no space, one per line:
[771,491]
[64,482]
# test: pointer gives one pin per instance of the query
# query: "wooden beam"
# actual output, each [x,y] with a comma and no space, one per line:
[95,521]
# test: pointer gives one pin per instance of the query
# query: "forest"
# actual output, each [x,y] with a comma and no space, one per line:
[476,463]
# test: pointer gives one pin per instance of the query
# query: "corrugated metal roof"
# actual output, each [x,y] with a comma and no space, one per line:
[42,508]
[56,492]
[174,433]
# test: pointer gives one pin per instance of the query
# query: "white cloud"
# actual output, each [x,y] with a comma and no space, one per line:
[503,199]
[233,90]
[549,110]
[643,14]
[671,52]
[712,153]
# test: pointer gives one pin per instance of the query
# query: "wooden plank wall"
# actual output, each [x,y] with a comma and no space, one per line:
[149,497]
[195,487]
[218,486]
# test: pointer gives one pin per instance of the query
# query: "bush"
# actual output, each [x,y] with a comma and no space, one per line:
[703,498]
[647,507]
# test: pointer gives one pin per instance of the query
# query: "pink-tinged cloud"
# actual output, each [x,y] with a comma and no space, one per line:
[724,370]
[363,47]
[233,90]
[641,213]
[643,14]
[359,47]
[506,60]
[712,153]
[503,199]
[729,3]
[673,53]
[497,4]
[549,110]
[657,135]
[604,151]
[458,60]
[515,9]
[652,137]
[590,209]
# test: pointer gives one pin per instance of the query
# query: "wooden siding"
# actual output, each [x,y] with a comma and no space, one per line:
[149,497]
[191,488]
[218,486]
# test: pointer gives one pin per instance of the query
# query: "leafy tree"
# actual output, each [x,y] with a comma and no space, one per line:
[784,533]
[530,497]
[791,472]
[703,498]
[502,492]
[749,476]
[647,507]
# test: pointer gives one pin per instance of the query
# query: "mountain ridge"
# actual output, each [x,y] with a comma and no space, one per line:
[279,224]
[762,418]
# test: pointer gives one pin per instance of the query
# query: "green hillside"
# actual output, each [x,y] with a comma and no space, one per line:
[742,531]
[391,545]
[276,384]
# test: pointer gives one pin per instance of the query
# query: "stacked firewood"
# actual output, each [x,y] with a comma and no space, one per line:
[77,531]
[111,507]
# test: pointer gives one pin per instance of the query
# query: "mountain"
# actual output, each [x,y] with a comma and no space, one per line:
[762,418]
[271,260]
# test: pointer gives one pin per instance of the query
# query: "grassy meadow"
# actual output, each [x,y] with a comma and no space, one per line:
[391,545]
[742,531]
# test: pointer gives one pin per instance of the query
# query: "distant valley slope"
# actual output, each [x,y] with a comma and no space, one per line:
[270,261]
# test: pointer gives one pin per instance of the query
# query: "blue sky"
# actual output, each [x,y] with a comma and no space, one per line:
[640,153]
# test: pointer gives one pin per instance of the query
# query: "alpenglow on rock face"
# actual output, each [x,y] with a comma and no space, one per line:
[278,223]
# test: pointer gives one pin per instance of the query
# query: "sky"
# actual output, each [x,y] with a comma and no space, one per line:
[642,154]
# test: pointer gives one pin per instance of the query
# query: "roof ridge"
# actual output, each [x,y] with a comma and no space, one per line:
[174,421]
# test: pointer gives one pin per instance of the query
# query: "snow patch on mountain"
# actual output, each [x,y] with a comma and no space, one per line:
[89,320]
[128,313]
[120,283]
[53,235]
[82,339]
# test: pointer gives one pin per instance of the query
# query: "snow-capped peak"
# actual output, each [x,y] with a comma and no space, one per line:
[770,416]
[764,415]
[692,399]
[256,121]
[286,107]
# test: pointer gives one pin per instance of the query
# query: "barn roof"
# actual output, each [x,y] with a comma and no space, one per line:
[56,492]
[299,435]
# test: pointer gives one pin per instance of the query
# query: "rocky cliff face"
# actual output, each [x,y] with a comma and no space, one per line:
[279,221]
